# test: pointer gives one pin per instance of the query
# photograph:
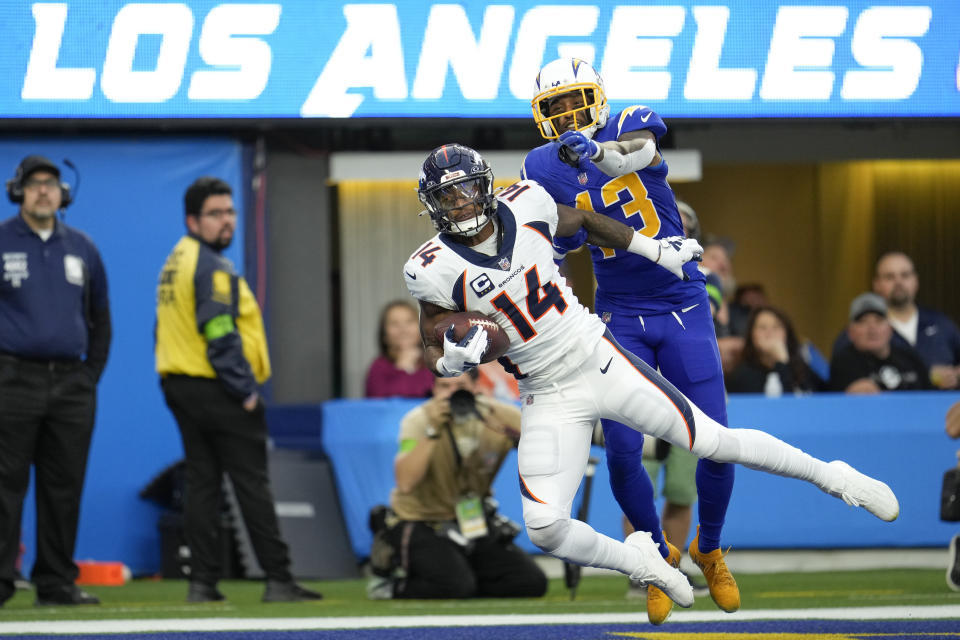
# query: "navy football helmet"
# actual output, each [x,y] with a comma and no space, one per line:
[456,187]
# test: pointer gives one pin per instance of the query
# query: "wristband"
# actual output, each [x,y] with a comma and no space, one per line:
[646,247]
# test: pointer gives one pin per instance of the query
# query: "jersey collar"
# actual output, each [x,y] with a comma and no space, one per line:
[506,247]
[21,226]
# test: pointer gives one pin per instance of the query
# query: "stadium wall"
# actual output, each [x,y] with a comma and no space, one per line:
[898,437]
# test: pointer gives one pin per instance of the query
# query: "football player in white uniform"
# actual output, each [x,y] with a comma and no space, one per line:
[494,254]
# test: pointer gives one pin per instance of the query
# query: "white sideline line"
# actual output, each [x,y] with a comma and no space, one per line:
[290,624]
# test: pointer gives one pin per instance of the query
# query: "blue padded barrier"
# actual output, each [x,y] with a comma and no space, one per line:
[898,437]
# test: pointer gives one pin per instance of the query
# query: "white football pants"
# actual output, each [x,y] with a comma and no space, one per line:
[557,424]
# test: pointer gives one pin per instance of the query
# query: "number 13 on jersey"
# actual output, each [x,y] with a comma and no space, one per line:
[634,201]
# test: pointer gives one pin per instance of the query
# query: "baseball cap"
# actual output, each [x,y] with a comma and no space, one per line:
[31,164]
[867,303]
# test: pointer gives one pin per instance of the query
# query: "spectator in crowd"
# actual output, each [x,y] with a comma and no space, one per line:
[872,362]
[717,262]
[718,258]
[953,563]
[211,354]
[746,298]
[445,539]
[54,340]
[934,336]
[771,362]
[399,370]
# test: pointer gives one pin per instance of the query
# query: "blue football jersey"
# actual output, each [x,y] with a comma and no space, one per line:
[626,282]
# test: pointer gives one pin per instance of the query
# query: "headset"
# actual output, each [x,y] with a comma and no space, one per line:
[15,186]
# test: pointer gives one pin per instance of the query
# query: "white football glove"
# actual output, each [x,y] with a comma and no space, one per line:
[676,251]
[461,356]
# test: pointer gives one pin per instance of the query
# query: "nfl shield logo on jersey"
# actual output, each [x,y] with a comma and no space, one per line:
[504,263]
[605,316]
[582,178]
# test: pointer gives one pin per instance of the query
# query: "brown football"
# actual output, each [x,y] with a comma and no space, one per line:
[497,340]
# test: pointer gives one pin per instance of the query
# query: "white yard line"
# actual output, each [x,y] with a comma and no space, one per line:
[284,624]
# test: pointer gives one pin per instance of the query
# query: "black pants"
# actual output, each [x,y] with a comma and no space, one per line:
[437,567]
[219,436]
[46,420]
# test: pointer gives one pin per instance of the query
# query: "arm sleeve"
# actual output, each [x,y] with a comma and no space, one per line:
[99,329]
[216,291]
[619,159]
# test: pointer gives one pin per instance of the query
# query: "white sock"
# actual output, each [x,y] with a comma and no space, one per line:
[761,451]
[586,547]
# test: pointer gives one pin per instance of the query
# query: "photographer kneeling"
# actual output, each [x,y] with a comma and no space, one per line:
[445,538]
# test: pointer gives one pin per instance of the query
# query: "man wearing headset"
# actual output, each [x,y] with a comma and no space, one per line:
[54,340]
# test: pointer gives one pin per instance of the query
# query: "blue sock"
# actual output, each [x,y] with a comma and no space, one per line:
[714,487]
[629,481]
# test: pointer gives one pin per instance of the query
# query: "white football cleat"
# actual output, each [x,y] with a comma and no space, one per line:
[655,570]
[859,490]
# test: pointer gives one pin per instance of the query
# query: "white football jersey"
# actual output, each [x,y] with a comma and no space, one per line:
[550,332]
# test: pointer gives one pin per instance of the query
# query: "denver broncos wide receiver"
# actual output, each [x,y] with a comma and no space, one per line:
[612,165]
[494,254]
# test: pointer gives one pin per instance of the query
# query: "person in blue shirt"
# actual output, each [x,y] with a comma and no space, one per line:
[54,340]
[612,164]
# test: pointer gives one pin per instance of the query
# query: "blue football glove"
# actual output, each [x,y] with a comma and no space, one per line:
[458,357]
[580,144]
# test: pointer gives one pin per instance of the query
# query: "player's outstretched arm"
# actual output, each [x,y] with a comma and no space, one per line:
[602,231]
[632,151]
[670,253]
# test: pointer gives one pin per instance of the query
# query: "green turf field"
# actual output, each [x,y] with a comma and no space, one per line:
[596,594]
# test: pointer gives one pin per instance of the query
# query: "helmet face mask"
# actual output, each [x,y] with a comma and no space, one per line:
[456,187]
[577,78]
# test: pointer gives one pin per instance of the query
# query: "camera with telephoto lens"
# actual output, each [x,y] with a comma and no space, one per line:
[502,528]
[463,406]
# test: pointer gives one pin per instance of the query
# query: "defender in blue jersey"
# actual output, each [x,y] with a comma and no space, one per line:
[613,166]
